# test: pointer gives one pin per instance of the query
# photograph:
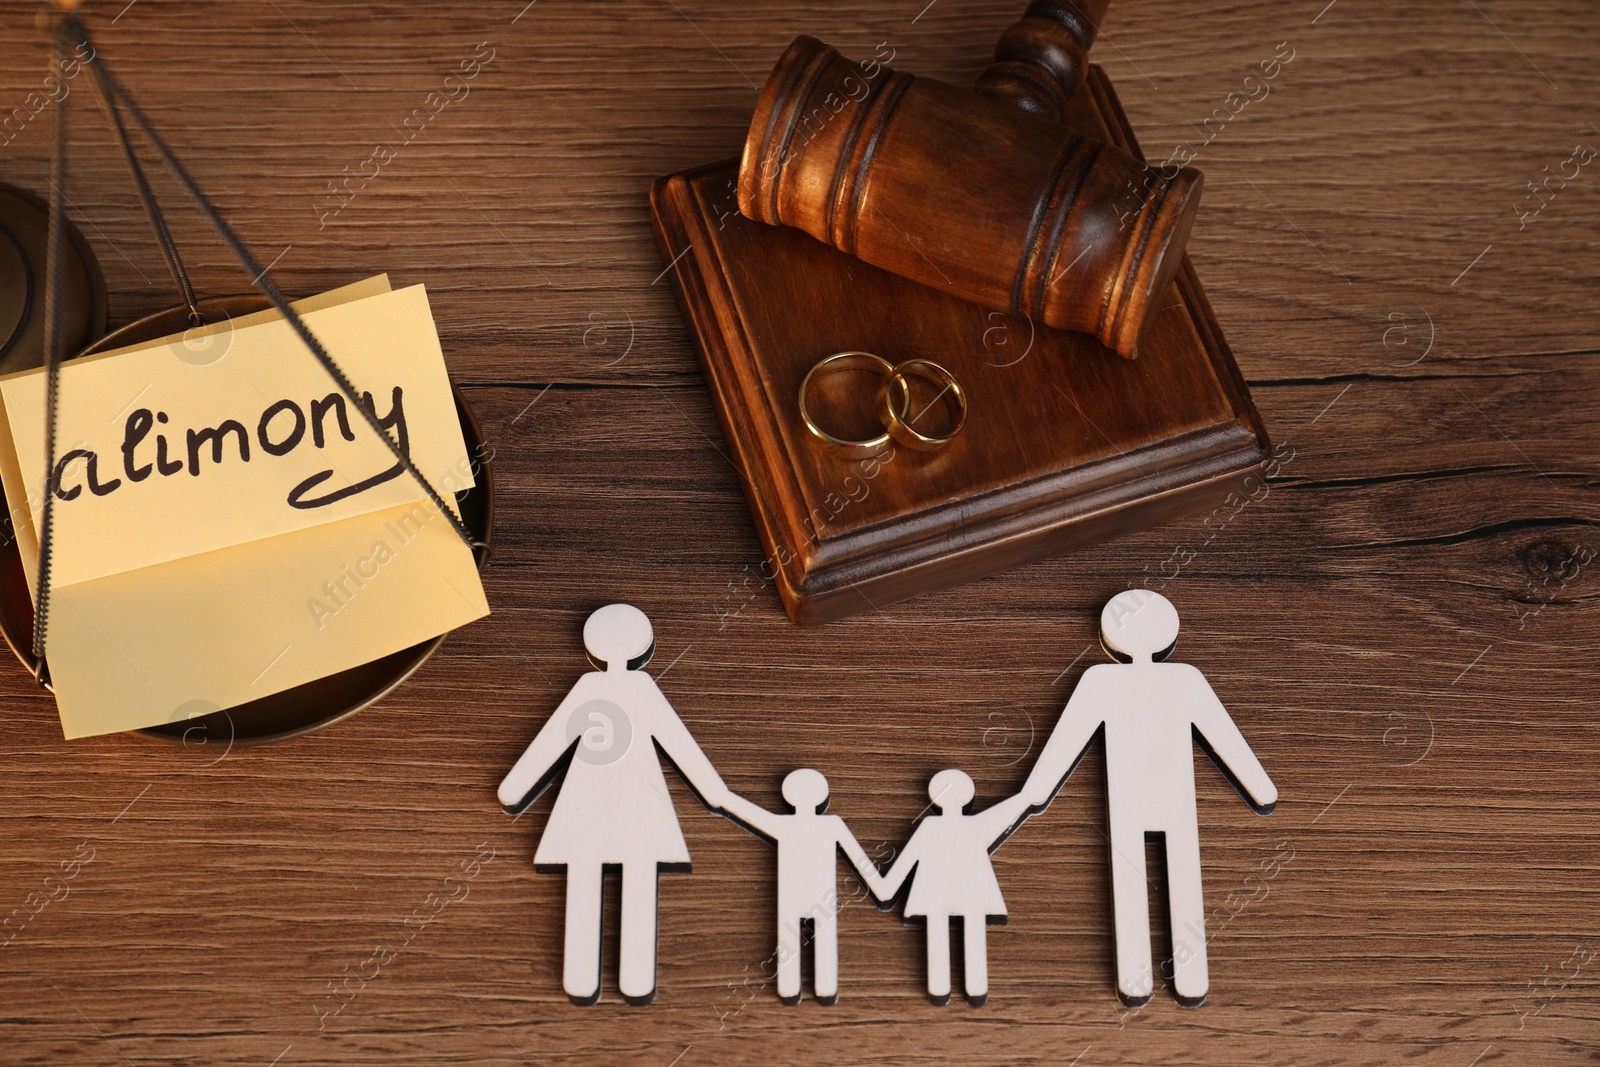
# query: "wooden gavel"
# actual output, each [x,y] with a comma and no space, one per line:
[984,195]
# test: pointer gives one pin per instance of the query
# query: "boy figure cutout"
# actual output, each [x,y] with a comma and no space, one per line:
[808,882]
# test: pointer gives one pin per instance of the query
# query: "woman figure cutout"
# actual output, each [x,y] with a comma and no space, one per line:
[808,878]
[953,878]
[613,808]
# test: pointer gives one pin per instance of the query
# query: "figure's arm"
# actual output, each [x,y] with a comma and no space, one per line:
[899,871]
[863,864]
[1002,818]
[536,766]
[752,816]
[680,747]
[1229,750]
[1068,741]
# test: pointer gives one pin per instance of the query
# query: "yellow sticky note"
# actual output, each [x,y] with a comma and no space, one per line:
[230,626]
[205,341]
[24,507]
[257,537]
[160,457]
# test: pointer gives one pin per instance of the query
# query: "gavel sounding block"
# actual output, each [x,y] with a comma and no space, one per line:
[1066,443]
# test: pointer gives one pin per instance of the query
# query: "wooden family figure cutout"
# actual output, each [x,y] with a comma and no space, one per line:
[612,809]
[1151,711]
[947,862]
[808,843]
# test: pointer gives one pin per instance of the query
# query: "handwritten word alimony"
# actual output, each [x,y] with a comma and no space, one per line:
[281,429]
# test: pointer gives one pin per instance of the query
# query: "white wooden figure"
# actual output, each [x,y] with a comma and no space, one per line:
[1152,711]
[953,879]
[808,843]
[613,808]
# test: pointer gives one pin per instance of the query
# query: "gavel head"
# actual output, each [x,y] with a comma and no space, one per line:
[966,194]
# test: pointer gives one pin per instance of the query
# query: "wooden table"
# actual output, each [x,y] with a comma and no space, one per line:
[1404,626]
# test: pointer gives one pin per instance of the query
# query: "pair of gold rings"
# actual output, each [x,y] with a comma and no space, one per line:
[893,402]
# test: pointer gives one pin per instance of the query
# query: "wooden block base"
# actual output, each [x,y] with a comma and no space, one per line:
[1066,442]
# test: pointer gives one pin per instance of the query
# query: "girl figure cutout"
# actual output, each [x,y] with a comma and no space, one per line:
[613,809]
[953,879]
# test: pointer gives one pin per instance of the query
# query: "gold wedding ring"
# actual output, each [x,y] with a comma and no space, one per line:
[894,403]
[843,361]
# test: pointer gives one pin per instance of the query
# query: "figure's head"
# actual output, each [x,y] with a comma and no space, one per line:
[619,637]
[1139,625]
[951,791]
[806,790]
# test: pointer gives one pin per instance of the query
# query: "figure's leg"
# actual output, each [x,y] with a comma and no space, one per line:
[1130,915]
[975,948]
[789,944]
[1190,974]
[636,970]
[825,954]
[580,966]
[939,958]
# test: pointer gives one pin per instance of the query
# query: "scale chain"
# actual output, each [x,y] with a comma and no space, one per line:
[52,362]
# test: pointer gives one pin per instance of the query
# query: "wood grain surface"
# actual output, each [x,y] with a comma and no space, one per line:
[1403,625]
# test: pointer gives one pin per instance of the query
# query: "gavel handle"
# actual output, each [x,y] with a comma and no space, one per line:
[1041,60]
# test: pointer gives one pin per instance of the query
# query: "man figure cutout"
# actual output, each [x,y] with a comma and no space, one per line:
[1151,710]
[808,881]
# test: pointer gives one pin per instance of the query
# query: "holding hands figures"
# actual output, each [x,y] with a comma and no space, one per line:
[1151,710]
[613,809]
[946,861]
